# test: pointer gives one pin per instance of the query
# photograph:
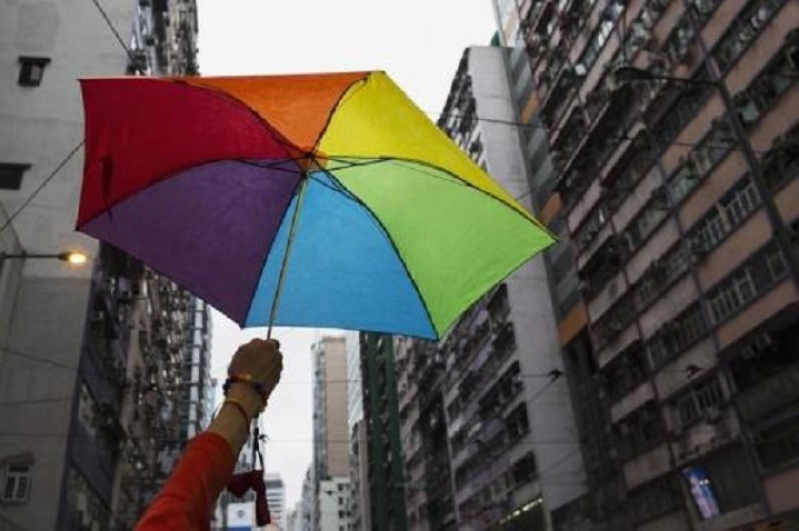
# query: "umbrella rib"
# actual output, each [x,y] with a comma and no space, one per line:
[287,144]
[272,165]
[284,263]
[412,164]
[347,193]
[163,178]
[345,94]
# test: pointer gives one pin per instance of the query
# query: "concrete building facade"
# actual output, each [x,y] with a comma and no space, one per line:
[670,167]
[358,444]
[503,415]
[71,362]
[44,47]
[276,497]
[385,476]
[331,463]
[334,504]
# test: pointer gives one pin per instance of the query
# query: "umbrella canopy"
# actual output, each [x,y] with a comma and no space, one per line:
[323,200]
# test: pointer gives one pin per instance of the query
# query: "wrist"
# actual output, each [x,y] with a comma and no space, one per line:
[248,397]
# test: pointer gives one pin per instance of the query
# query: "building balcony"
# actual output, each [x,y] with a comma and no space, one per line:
[642,394]
[777,298]
[597,238]
[614,289]
[686,367]
[681,295]
[611,348]
[716,428]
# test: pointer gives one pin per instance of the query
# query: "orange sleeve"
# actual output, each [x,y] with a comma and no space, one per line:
[186,501]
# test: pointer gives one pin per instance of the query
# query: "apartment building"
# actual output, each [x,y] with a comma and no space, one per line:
[330,471]
[385,475]
[91,357]
[276,497]
[360,507]
[487,424]
[670,167]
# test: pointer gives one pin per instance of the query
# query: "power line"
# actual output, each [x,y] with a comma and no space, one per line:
[550,375]
[618,138]
[36,401]
[38,359]
[116,33]
[39,188]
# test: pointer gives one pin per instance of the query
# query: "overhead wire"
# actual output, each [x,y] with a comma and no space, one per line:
[116,33]
[359,380]
[620,138]
[41,186]
[35,401]
[60,166]
[38,359]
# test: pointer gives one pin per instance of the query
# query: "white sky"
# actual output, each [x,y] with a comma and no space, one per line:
[418,42]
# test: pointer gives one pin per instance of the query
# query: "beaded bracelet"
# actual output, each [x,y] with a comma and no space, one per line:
[245,379]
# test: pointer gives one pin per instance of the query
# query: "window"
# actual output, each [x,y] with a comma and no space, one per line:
[782,160]
[15,476]
[743,30]
[11,175]
[660,274]
[598,40]
[624,373]
[524,470]
[643,225]
[698,401]
[516,423]
[756,99]
[675,336]
[616,319]
[639,431]
[730,478]
[31,70]
[746,282]
[655,498]
[778,445]
[740,202]
[591,226]
[87,410]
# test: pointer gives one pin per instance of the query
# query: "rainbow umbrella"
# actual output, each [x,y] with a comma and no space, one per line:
[323,200]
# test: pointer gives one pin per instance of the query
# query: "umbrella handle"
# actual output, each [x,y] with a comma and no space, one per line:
[284,264]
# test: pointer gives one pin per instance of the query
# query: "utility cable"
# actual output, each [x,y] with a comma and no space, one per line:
[35,401]
[38,359]
[39,188]
[618,138]
[116,33]
[550,374]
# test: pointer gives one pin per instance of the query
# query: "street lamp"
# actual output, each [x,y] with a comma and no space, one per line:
[782,234]
[71,257]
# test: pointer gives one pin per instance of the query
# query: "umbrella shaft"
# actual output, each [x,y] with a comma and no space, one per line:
[284,265]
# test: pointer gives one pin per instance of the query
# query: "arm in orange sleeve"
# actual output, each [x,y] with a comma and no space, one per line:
[186,501]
